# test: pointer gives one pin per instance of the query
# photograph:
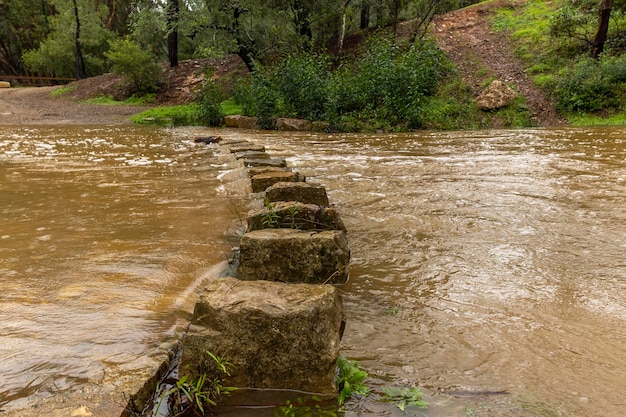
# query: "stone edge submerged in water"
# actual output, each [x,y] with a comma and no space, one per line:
[280,322]
[276,335]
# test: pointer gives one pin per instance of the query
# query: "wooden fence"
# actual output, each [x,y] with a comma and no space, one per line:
[36,80]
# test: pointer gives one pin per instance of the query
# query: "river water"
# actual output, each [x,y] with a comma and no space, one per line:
[488,267]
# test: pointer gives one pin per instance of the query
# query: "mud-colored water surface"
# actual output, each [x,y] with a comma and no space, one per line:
[484,262]
[488,268]
[106,233]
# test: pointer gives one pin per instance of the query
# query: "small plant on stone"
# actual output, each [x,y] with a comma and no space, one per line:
[305,407]
[270,218]
[196,396]
[403,397]
[350,380]
[292,217]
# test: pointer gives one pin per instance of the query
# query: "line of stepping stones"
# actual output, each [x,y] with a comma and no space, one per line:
[279,319]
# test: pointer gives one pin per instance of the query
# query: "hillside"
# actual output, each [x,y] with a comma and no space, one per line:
[465,35]
[468,40]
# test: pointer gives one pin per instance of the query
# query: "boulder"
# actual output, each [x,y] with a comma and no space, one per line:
[247,147]
[302,192]
[237,142]
[252,171]
[261,181]
[290,255]
[496,96]
[294,215]
[243,122]
[320,126]
[276,335]
[293,125]
[207,139]
[270,162]
[251,155]
[5,84]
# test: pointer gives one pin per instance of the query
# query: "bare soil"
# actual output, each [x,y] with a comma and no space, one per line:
[36,106]
[480,52]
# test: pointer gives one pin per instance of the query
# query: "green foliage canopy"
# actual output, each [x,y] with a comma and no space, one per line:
[56,54]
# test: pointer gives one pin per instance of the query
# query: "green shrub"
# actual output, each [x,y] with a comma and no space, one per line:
[135,64]
[587,87]
[515,115]
[300,81]
[257,98]
[208,101]
[614,69]
[388,84]
[383,89]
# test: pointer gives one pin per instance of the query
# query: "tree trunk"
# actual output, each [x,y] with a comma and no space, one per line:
[172,32]
[342,34]
[301,19]
[79,60]
[421,28]
[365,14]
[394,15]
[244,50]
[603,28]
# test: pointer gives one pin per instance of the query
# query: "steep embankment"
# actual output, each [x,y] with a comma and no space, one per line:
[479,52]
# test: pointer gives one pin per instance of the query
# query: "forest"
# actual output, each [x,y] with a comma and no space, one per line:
[301,57]
[70,38]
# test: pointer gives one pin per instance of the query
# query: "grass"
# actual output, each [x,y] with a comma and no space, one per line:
[184,115]
[230,107]
[529,28]
[593,120]
[61,91]
[131,101]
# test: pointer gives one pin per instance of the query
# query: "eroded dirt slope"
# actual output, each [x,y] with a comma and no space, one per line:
[468,39]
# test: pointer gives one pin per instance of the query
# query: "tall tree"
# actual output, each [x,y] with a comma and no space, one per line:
[76,42]
[603,28]
[302,19]
[364,22]
[78,55]
[342,33]
[173,11]
[23,25]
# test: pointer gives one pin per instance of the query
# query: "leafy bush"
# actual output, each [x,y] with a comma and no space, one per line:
[590,86]
[614,69]
[403,397]
[300,81]
[257,98]
[383,89]
[350,380]
[135,64]
[208,100]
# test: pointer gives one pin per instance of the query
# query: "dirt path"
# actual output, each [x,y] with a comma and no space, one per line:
[35,106]
[474,47]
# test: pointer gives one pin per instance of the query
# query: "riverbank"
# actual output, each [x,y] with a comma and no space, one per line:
[36,106]
[478,52]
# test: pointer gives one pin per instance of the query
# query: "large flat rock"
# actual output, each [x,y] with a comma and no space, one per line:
[270,162]
[295,215]
[276,335]
[302,192]
[290,255]
[260,182]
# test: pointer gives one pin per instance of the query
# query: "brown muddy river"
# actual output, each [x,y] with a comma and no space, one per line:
[488,267]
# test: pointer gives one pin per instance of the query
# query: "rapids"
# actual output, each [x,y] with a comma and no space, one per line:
[488,267]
